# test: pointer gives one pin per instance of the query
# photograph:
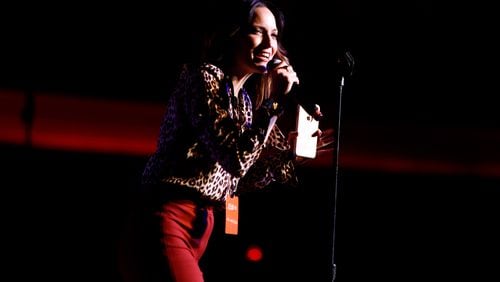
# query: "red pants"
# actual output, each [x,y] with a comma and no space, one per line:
[165,242]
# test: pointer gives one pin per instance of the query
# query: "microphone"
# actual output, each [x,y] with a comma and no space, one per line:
[272,64]
[346,66]
[309,106]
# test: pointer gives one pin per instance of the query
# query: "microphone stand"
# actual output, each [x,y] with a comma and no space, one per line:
[347,67]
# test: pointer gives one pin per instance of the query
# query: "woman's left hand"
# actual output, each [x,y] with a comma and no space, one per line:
[284,78]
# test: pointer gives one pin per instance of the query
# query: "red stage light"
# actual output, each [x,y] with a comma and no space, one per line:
[254,253]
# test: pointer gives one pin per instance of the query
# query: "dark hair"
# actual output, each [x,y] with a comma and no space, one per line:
[231,19]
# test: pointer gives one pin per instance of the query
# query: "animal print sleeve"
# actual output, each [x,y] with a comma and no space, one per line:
[276,164]
[233,146]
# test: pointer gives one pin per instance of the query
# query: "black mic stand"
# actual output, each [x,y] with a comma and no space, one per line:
[346,63]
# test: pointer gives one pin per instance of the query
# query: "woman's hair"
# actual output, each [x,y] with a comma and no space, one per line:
[219,39]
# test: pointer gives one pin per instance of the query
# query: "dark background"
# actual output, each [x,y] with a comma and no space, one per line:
[419,61]
[419,64]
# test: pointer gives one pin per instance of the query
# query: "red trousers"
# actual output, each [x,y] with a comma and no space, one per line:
[165,241]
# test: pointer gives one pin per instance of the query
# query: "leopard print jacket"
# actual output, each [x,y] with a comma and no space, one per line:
[213,144]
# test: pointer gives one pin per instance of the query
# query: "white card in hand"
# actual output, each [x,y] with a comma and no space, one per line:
[306,143]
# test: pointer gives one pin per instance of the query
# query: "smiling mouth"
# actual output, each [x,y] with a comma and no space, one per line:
[263,56]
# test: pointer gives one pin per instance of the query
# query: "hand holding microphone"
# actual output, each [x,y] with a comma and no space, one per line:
[284,76]
[286,83]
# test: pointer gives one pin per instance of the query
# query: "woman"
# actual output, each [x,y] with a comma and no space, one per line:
[218,138]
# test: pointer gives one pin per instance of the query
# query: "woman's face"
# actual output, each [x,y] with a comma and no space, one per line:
[260,44]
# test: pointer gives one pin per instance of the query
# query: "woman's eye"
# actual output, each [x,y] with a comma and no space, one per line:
[257,31]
